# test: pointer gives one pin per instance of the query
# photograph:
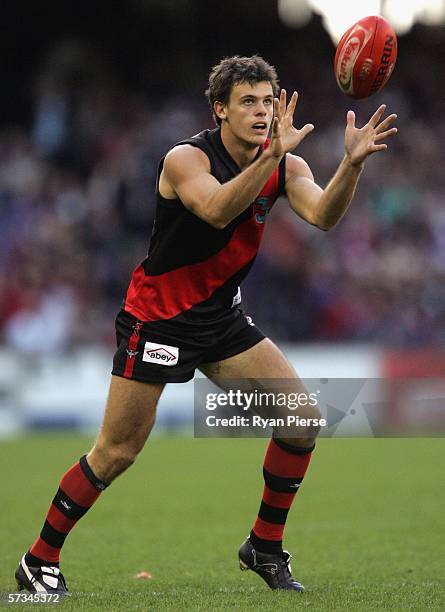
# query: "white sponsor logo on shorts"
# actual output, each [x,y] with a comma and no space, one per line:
[160,353]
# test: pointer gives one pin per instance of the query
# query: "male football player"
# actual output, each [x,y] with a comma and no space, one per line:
[182,312]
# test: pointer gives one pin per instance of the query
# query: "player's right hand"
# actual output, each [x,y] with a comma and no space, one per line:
[285,137]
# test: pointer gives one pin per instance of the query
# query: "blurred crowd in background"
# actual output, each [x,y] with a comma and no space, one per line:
[77,205]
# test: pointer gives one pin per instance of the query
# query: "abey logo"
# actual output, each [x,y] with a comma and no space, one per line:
[162,354]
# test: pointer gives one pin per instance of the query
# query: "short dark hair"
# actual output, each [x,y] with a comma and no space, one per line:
[234,70]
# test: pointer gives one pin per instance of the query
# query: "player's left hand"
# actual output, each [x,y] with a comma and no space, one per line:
[361,142]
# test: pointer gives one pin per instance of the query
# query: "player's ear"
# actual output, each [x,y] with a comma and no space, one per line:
[220,110]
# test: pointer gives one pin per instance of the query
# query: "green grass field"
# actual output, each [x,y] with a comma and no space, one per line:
[367,529]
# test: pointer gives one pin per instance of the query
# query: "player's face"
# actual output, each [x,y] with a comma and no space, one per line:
[249,112]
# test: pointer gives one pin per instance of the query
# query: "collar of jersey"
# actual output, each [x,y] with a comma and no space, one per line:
[215,136]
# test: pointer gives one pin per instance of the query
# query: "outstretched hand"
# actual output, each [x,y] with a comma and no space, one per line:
[285,136]
[361,142]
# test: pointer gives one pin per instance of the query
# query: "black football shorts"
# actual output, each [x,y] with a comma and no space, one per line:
[169,351]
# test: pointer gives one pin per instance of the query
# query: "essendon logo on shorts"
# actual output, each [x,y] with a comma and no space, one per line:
[160,353]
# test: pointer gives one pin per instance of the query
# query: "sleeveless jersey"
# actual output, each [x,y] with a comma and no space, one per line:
[193,271]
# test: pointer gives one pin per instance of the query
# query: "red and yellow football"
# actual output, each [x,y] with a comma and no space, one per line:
[365,57]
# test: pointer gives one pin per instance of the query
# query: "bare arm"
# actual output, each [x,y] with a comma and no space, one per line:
[186,172]
[324,208]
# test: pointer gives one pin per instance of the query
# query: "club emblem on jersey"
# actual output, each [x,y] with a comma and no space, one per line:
[162,354]
[261,208]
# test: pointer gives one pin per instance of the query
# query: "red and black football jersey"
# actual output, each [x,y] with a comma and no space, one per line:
[192,269]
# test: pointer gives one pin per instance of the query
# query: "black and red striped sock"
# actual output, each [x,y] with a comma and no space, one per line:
[284,469]
[78,490]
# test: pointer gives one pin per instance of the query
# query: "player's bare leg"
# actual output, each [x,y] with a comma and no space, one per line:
[285,464]
[129,417]
[262,362]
